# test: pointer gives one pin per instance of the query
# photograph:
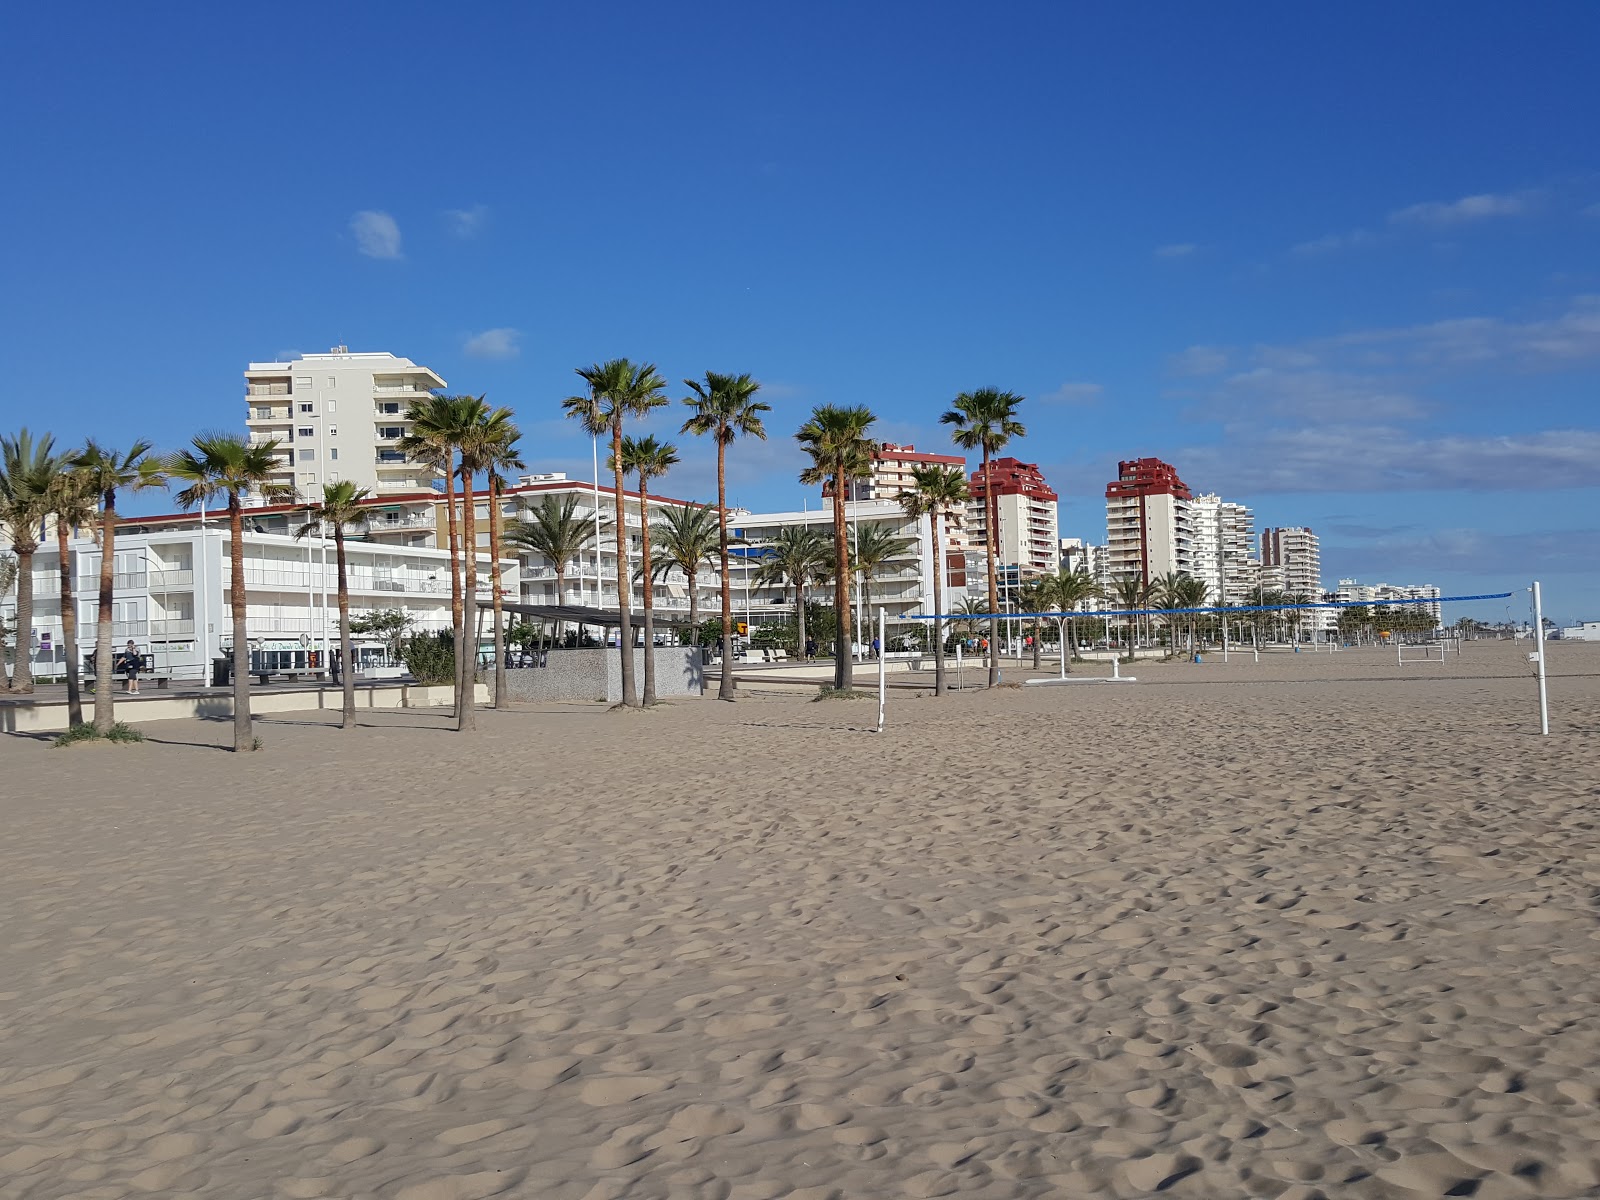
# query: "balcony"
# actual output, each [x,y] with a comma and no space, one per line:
[263,414]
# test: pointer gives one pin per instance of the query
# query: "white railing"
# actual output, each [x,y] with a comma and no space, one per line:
[267,389]
[171,626]
[170,579]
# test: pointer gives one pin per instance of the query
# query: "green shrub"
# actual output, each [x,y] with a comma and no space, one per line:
[828,692]
[431,657]
[121,732]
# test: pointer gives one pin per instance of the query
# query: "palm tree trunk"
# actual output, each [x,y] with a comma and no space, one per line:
[104,702]
[800,618]
[243,736]
[499,603]
[694,608]
[467,643]
[561,591]
[725,683]
[938,605]
[1036,643]
[69,627]
[22,669]
[455,546]
[843,676]
[630,697]
[991,501]
[649,696]
[347,664]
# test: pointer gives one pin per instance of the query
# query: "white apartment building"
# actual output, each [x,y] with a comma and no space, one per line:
[172,593]
[901,587]
[1298,552]
[1350,589]
[339,416]
[1221,550]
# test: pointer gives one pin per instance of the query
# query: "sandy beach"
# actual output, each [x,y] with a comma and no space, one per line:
[1319,926]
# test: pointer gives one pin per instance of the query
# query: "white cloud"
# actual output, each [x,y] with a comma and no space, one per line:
[467,222]
[1074,393]
[377,234]
[1333,243]
[1199,360]
[494,344]
[1176,250]
[1440,214]
[1382,458]
[1312,397]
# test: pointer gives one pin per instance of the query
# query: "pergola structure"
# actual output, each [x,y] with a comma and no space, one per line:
[582,615]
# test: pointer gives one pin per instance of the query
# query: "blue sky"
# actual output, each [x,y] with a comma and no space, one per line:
[1341,264]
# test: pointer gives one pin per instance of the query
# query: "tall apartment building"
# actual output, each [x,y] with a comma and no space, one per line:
[1028,537]
[1149,530]
[339,416]
[1222,548]
[1297,551]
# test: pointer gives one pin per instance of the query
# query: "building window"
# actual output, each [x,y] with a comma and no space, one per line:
[263,414]
[303,382]
[333,477]
[308,476]
[333,431]
[334,454]
[389,406]
[333,381]
[305,431]
[330,405]
[311,456]
[308,408]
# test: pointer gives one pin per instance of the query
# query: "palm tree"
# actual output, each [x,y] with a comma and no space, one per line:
[935,492]
[436,425]
[687,538]
[27,468]
[618,389]
[792,557]
[482,435]
[343,507]
[225,464]
[1129,594]
[1035,597]
[725,408]
[875,546]
[553,529]
[105,472]
[73,507]
[499,457]
[836,439]
[648,458]
[1069,590]
[986,420]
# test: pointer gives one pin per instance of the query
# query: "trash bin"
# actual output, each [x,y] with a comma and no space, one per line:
[221,672]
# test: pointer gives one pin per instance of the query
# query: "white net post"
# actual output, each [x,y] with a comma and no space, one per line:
[883,660]
[1538,658]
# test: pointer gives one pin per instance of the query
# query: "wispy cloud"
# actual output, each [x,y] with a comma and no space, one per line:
[1384,458]
[377,234]
[500,343]
[1442,214]
[467,222]
[1176,250]
[1199,360]
[1075,394]
[1333,243]
[1310,397]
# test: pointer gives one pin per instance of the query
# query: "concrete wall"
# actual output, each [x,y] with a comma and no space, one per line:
[52,718]
[595,675]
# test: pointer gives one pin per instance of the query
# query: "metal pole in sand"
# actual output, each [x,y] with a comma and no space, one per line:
[961,674]
[1538,657]
[1061,639]
[883,646]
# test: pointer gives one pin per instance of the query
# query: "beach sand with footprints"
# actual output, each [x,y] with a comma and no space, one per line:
[1318,926]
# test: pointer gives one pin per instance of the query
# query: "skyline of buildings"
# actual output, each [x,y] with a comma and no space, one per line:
[340,416]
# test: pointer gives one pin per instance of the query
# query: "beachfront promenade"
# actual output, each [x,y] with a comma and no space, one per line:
[1315,926]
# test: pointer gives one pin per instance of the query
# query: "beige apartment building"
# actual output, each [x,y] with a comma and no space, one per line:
[339,416]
